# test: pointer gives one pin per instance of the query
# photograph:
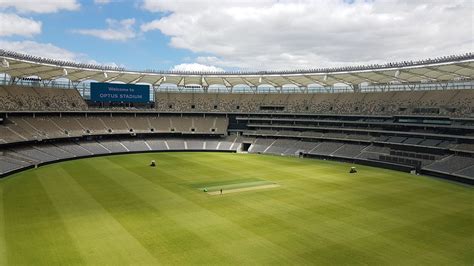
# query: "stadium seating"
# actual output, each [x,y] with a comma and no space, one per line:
[94,147]
[17,98]
[261,145]
[446,102]
[27,155]
[6,165]
[300,146]
[452,164]
[326,148]
[135,145]
[349,150]
[22,128]
[42,125]
[467,172]
[157,144]
[194,144]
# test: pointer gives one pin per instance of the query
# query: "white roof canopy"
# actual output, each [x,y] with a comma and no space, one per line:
[445,69]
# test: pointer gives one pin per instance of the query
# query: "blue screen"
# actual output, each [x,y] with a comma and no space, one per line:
[110,92]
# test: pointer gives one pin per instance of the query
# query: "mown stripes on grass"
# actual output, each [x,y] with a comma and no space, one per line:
[34,232]
[215,244]
[3,243]
[319,215]
[99,238]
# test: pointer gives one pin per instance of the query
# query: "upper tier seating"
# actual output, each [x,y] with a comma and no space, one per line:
[440,102]
[446,102]
[20,98]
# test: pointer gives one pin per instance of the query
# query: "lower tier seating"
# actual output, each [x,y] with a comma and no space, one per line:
[17,157]
[21,156]
[452,164]
[445,164]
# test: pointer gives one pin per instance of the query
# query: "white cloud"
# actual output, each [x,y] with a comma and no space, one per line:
[50,51]
[46,50]
[196,67]
[102,2]
[283,34]
[118,30]
[40,6]
[12,24]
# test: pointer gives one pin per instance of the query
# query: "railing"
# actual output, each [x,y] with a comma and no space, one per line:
[44,83]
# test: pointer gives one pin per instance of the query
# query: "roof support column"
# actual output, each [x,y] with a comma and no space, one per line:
[355,87]
[444,86]
[412,87]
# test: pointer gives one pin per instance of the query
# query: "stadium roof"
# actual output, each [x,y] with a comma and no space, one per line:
[444,69]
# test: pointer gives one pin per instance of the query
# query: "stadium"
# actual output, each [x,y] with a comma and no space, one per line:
[425,131]
[360,164]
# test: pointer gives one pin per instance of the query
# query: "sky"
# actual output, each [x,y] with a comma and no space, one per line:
[223,35]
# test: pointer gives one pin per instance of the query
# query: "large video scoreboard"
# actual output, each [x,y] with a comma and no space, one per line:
[127,93]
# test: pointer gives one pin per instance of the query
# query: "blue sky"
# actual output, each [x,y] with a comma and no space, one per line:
[236,34]
[149,50]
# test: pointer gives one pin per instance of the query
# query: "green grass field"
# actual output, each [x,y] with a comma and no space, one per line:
[116,210]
